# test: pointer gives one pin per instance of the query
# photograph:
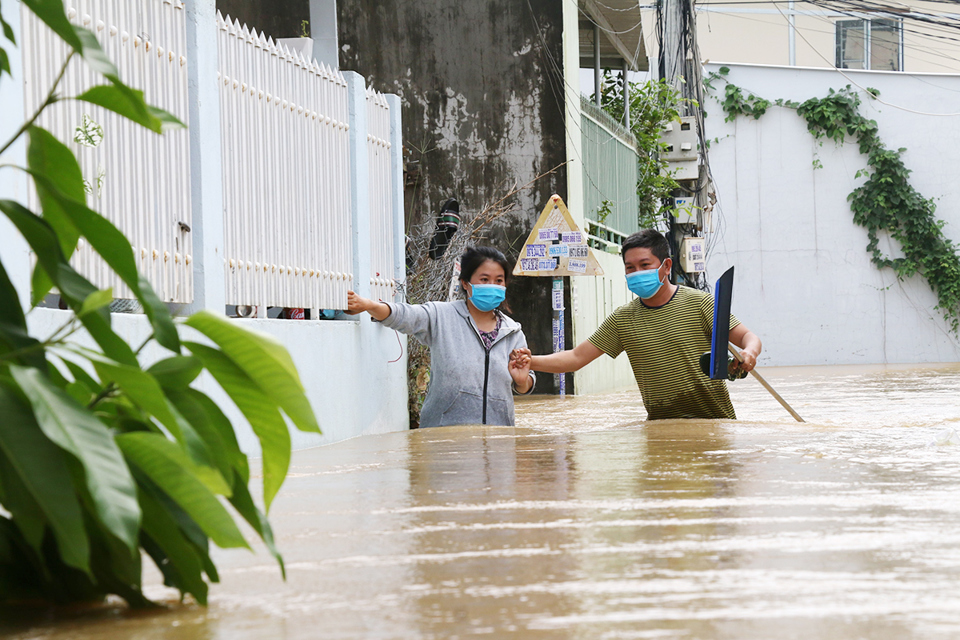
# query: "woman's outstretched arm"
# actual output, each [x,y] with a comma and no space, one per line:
[358,304]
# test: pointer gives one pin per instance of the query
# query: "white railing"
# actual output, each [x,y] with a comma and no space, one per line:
[135,178]
[383,285]
[286,175]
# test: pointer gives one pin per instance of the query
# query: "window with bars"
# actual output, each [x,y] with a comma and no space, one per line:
[870,44]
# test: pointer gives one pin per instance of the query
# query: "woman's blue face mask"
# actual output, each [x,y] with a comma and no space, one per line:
[487,297]
[645,283]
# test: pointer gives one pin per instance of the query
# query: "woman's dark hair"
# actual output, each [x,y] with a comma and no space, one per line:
[473,257]
[647,239]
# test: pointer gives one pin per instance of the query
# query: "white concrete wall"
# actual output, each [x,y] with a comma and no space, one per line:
[804,280]
[345,365]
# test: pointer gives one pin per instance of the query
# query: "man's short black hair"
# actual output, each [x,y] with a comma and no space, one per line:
[647,239]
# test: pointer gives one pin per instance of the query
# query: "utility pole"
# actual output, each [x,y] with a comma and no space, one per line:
[679,66]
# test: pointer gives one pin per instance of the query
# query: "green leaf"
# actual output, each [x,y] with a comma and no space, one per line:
[164,330]
[146,392]
[115,249]
[173,472]
[17,499]
[112,344]
[220,422]
[97,60]
[95,301]
[131,105]
[180,561]
[242,501]
[176,372]
[42,469]
[49,157]
[265,360]
[43,240]
[13,326]
[122,99]
[219,449]
[103,236]
[4,63]
[78,432]
[259,410]
[7,30]
[73,287]
[52,14]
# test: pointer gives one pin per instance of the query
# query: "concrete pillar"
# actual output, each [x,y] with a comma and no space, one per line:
[396,166]
[14,250]
[206,171]
[323,30]
[359,182]
[791,34]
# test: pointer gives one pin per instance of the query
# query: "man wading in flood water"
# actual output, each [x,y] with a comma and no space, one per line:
[664,332]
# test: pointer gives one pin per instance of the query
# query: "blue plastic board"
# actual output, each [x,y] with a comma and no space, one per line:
[722,295]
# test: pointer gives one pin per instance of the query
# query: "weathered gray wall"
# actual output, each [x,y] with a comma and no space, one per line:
[481,85]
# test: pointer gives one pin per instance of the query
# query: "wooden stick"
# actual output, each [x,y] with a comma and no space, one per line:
[766,385]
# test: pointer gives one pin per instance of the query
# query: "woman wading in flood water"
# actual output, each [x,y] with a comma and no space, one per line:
[472,379]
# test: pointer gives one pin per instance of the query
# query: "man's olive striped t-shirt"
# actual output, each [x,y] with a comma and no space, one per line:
[664,345]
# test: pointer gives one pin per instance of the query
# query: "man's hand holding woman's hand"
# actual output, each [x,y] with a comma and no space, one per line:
[520,369]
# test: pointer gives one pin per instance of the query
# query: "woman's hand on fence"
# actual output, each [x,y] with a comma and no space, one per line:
[357,304]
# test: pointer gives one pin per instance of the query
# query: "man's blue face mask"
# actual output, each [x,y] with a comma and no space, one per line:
[487,297]
[645,283]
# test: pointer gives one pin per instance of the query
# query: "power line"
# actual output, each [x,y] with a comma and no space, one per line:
[909,47]
[868,91]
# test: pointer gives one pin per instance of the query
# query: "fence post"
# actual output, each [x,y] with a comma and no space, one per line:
[359,182]
[396,194]
[13,184]
[323,30]
[206,171]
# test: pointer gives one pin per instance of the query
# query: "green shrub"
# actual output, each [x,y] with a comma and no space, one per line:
[100,457]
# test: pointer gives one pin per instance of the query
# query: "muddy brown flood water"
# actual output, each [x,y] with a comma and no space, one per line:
[584,522]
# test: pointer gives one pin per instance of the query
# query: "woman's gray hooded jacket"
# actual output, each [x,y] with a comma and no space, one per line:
[468,384]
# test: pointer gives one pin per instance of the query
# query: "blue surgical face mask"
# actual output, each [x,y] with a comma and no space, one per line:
[645,283]
[487,297]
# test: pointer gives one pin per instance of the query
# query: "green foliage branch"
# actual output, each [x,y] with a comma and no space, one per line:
[653,104]
[102,458]
[886,203]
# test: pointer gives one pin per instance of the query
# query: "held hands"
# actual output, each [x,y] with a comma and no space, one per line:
[522,357]
[520,369]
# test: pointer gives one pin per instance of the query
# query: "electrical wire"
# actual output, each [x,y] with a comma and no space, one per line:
[563,89]
[400,342]
[868,91]
[906,46]
[601,27]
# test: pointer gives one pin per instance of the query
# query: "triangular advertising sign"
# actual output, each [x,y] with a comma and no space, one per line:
[557,246]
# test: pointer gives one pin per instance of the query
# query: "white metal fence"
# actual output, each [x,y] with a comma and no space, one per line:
[383,285]
[286,169]
[137,179]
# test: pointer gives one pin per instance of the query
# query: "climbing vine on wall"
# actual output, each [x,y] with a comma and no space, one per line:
[886,203]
